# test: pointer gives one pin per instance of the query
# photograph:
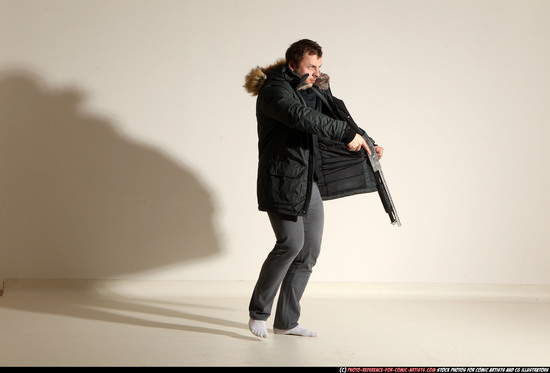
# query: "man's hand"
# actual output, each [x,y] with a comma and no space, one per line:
[379,151]
[357,143]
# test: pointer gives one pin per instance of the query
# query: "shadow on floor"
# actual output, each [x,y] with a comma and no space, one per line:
[91,300]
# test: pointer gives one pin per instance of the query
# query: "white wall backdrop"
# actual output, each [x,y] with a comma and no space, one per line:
[128,145]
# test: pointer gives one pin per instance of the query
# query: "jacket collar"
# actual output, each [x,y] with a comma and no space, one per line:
[256,79]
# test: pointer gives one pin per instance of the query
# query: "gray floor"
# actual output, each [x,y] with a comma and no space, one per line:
[173,323]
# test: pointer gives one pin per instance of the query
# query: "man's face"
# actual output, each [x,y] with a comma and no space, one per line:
[310,64]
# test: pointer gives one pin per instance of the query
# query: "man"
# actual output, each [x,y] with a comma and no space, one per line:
[310,150]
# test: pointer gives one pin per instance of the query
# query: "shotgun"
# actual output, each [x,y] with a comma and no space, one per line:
[381,186]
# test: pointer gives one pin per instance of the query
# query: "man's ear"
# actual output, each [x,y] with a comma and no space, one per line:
[292,66]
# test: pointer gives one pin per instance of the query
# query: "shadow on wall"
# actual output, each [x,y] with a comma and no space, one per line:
[79,200]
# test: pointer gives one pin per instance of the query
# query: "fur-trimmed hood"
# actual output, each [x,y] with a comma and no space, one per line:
[256,78]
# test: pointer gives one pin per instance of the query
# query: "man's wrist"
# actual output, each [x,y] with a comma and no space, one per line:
[349,135]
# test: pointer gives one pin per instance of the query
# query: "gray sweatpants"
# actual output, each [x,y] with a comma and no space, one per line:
[289,265]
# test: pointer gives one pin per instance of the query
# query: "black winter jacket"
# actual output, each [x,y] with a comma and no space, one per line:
[286,144]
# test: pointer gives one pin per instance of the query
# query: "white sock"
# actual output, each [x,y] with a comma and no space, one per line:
[297,330]
[258,328]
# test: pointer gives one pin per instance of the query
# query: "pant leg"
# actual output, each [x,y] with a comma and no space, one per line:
[297,276]
[289,233]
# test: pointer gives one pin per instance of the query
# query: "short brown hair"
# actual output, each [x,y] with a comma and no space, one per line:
[299,49]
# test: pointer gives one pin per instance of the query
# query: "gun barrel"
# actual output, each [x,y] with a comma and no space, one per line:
[386,199]
[381,186]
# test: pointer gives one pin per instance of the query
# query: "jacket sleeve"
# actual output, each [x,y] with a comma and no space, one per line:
[281,104]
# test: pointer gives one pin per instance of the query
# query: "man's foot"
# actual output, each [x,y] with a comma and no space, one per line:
[258,328]
[297,330]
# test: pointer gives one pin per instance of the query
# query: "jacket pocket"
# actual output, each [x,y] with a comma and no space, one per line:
[288,181]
